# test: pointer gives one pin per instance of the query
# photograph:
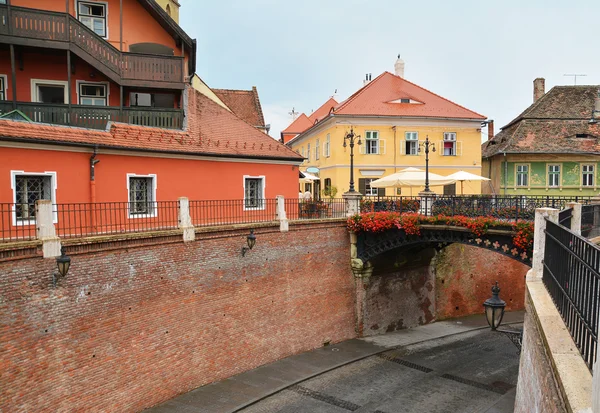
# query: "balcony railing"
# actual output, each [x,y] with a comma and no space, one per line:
[61,27]
[96,117]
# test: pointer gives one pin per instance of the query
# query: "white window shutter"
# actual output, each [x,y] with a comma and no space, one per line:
[402,147]
[382,146]
[459,148]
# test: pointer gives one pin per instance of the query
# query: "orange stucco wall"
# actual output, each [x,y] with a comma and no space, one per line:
[138,25]
[195,179]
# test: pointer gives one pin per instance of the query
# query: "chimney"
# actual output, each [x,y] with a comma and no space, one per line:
[539,88]
[399,67]
[368,77]
[490,125]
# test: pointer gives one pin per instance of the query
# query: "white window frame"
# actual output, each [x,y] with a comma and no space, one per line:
[450,137]
[517,185]
[317,146]
[5,88]
[378,146]
[264,186]
[42,82]
[13,187]
[106,85]
[93,2]
[593,172]
[409,137]
[548,172]
[327,147]
[154,213]
[370,190]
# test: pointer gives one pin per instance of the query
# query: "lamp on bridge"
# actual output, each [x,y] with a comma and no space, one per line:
[426,145]
[63,263]
[494,308]
[250,240]
[353,139]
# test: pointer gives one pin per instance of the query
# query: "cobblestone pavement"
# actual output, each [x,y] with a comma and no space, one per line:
[472,372]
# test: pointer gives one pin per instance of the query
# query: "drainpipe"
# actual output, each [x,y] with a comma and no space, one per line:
[505,173]
[394,129]
[93,162]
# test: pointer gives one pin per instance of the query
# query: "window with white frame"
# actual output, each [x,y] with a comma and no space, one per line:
[29,188]
[93,94]
[142,195]
[3,87]
[587,175]
[412,143]
[372,142]
[327,146]
[93,15]
[317,154]
[554,176]
[449,144]
[369,191]
[522,175]
[254,187]
[308,152]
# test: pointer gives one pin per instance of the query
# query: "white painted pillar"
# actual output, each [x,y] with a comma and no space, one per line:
[539,240]
[45,230]
[281,214]
[185,220]
[352,203]
[576,217]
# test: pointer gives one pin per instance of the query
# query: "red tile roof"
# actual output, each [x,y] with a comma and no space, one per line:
[244,103]
[375,99]
[301,124]
[323,111]
[214,132]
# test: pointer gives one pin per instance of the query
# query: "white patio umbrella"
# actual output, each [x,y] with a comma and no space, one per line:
[308,177]
[410,177]
[462,176]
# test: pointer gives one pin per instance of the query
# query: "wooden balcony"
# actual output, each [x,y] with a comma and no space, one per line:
[40,28]
[97,117]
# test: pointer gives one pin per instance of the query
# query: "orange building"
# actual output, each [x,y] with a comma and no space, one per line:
[97,108]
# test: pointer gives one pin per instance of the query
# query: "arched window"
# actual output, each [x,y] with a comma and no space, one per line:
[169,9]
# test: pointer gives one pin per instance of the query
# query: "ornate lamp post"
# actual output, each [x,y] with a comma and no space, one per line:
[353,139]
[494,311]
[426,145]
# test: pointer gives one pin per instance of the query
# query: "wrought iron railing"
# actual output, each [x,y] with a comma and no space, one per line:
[572,277]
[298,208]
[234,211]
[110,218]
[590,221]
[564,217]
[97,117]
[62,27]
[17,222]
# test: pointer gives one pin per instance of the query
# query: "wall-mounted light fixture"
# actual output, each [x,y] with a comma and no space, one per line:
[63,263]
[250,240]
[494,312]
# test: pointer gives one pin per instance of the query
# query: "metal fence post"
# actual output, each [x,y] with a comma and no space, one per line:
[281,215]
[45,230]
[185,220]
[596,383]
[539,240]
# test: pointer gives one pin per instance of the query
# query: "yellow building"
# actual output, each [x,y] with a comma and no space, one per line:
[393,117]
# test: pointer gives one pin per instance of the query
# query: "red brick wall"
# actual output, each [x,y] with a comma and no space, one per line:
[131,327]
[464,279]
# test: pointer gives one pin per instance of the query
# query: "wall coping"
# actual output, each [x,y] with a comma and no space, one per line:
[571,372]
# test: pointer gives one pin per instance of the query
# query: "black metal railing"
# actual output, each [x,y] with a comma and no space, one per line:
[564,217]
[590,221]
[501,207]
[572,277]
[233,211]
[17,222]
[110,218]
[299,208]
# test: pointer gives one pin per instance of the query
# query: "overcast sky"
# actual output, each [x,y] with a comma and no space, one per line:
[481,54]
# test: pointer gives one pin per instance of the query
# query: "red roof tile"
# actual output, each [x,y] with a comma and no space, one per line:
[375,99]
[215,131]
[323,111]
[244,103]
[301,124]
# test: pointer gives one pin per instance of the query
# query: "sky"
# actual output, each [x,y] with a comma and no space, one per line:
[483,55]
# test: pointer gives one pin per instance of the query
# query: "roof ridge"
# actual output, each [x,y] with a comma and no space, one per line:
[359,91]
[530,108]
[294,121]
[258,106]
[233,90]
[439,96]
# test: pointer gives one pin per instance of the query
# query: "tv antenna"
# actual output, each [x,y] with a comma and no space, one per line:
[575,76]
[293,114]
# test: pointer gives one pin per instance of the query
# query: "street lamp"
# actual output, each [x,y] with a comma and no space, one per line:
[63,263]
[426,146]
[250,240]
[494,311]
[352,138]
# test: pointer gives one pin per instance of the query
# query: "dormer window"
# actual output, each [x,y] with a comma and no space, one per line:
[403,100]
[93,15]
